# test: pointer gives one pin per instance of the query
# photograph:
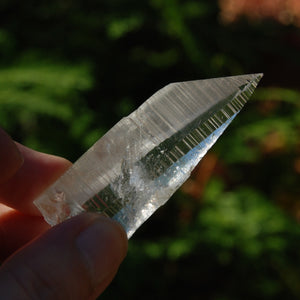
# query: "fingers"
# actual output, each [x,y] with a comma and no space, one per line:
[10,157]
[17,229]
[37,172]
[74,260]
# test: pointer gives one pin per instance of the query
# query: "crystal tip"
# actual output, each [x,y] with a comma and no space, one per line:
[259,76]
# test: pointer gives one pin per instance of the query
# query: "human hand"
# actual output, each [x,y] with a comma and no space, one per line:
[76,259]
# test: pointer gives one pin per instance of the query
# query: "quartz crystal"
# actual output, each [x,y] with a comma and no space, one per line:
[139,163]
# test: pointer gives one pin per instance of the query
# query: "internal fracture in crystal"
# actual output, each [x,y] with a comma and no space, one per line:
[139,163]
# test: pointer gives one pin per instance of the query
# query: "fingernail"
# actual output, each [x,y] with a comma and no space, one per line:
[103,245]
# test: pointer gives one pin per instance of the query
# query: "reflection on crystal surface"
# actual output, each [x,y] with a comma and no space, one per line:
[145,158]
[153,193]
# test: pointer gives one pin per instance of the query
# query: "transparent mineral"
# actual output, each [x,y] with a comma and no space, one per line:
[139,163]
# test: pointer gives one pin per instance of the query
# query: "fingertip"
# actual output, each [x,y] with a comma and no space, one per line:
[103,245]
[38,171]
[55,165]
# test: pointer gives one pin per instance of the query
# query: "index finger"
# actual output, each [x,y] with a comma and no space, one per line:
[38,171]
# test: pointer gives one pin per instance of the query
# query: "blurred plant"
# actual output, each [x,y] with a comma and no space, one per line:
[238,246]
[42,101]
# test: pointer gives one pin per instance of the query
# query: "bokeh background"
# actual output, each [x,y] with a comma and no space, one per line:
[70,69]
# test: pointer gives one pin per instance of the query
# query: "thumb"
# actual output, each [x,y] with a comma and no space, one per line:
[73,260]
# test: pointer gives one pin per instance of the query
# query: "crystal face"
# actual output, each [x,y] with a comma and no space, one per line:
[139,163]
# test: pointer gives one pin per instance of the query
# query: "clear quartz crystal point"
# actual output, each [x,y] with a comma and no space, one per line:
[139,163]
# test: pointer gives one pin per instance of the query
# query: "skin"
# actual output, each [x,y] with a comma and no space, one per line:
[76,259]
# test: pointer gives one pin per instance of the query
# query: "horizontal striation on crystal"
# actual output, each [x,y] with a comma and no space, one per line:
[139,163]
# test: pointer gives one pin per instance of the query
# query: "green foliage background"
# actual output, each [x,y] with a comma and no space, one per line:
[69,70]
